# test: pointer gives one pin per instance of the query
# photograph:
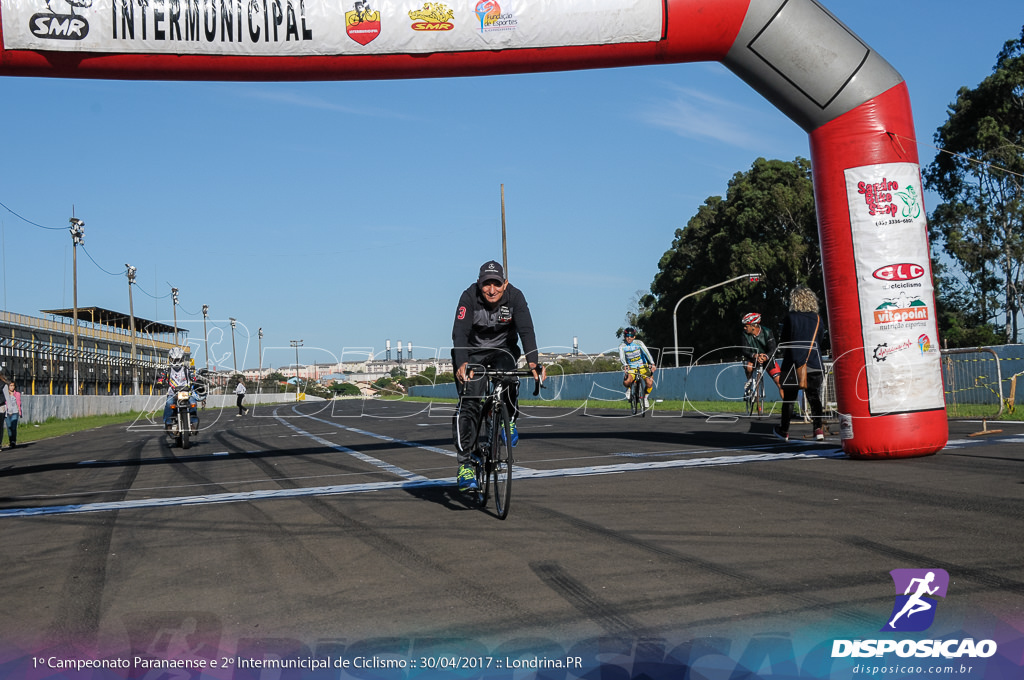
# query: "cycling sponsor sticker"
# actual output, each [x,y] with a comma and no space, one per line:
[318,27]
[894,286]
[362,24]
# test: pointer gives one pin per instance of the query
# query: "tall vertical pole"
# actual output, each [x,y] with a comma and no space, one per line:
[234,356]
[260,347]
[77,230]
[131,316]
[174,304]
[206,342]
[297,344]
[504,240]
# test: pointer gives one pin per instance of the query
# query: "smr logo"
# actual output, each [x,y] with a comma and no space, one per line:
[914,609]
[54,26]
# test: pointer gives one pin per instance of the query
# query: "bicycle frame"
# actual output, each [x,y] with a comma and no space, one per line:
[496,461]
[754,399]
[638,389]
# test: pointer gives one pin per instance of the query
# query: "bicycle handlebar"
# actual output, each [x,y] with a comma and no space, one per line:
[494,374]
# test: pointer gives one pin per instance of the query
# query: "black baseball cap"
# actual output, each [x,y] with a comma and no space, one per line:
[491,271]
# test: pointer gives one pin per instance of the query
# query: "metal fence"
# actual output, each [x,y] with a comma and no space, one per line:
[973,383]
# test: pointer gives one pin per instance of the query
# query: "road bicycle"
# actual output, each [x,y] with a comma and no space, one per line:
[492,457]
[638,390]
[753,392]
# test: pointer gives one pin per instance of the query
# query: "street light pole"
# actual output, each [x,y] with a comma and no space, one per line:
[77,230]
[206,342]
[296,344]
[131,316]
[675,329]
[260,373]
[234,357]
[174,304]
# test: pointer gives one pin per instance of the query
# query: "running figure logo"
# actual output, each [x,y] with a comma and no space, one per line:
[914,609]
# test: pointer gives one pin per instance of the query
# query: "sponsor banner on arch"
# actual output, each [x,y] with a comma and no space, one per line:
[317,27]
[894,284]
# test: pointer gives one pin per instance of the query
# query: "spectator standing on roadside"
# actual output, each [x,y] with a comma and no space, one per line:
[12,402]
[801,344]
[240,395]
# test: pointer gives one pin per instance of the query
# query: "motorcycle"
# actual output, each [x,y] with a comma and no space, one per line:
[182,429]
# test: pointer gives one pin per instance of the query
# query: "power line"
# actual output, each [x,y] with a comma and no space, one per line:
[24,219]
[98,265]
[969,159]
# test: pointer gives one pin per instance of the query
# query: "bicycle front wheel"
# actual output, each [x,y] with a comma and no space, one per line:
[634,396]
[501,459]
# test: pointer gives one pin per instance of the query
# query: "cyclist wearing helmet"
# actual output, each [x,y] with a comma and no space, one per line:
[633,353]
[178,376]
[758,348]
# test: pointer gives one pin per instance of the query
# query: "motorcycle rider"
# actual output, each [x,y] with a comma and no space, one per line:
[179,376]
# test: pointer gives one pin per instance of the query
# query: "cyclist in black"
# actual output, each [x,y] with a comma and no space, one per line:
[492,317]
[758,349]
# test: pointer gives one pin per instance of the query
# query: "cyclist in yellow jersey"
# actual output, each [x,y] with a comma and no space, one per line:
[633,354]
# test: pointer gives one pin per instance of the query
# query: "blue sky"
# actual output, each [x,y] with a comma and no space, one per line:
[349,213]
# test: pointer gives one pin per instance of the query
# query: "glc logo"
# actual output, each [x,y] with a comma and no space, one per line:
[54,26]
[915,611]
[899,272]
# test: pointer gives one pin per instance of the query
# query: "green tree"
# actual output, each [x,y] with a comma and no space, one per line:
[272,382]
[345,389]
[600,363]
[766,224]
[980,223]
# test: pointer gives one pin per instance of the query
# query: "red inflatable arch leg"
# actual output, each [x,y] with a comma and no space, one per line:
[878,281]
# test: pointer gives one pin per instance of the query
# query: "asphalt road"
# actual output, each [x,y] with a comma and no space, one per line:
[332,529]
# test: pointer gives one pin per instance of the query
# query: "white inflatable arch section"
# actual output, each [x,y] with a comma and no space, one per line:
[852,103]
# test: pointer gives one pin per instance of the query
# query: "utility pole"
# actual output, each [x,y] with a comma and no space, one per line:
[174,304]
[260,374]
[234,356]
[77,230]
[297,344]
[130,270]
[206,342]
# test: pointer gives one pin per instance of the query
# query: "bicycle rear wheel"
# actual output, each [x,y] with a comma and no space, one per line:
[501,459]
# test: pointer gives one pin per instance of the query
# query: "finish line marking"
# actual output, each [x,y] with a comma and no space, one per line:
[421,482]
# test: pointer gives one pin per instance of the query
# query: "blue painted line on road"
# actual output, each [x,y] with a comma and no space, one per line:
[422,482]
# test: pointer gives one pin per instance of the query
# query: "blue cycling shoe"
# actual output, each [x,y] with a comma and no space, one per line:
[467,478]
[515,433]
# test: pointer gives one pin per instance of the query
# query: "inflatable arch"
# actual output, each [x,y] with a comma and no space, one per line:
[852,103]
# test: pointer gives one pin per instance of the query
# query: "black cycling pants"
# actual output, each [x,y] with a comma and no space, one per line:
[813,392]
[471,394]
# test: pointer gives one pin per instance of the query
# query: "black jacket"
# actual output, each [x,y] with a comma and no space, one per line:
[798,331]
[762,343]
[477,326]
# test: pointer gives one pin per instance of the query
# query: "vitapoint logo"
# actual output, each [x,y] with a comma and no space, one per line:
[914,611]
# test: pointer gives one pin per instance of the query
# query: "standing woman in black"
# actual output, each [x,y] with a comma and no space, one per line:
[800,342]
